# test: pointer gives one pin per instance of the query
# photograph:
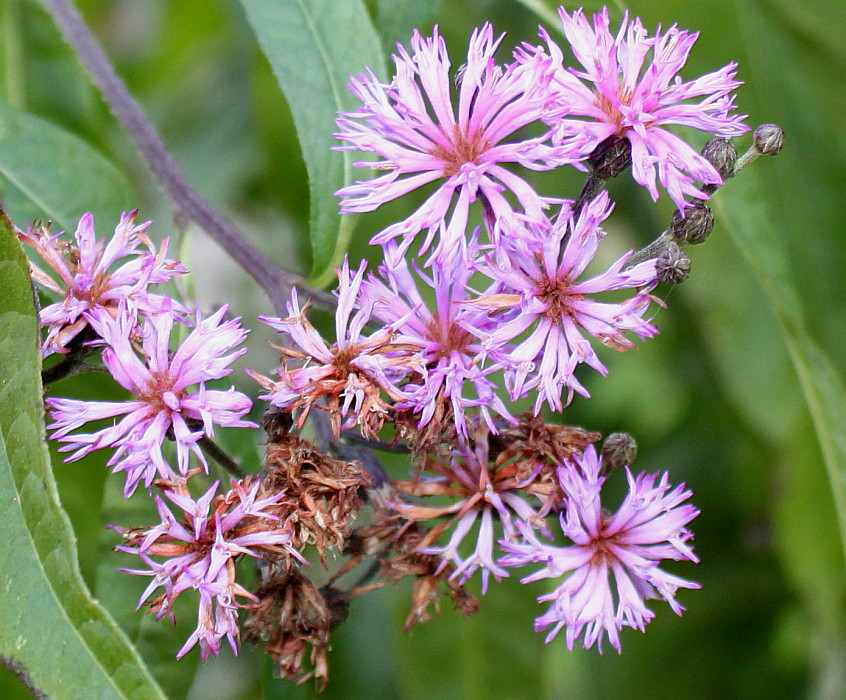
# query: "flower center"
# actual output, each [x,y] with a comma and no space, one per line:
[449,339]
[557,294]
[341,362]
[615,116]
[463,149]
[159,393]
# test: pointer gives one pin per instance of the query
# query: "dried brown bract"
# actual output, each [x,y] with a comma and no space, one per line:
[532,438]
[437,436]
[394,541]
[327,492]
[292,615]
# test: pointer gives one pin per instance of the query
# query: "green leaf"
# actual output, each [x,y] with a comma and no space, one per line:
[47,173]
[745,214]
[157,641]
[52,634]
[395,19]
[313,47]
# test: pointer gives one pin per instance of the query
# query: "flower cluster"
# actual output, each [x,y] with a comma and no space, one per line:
[514,307]
[106,304]
[437,352]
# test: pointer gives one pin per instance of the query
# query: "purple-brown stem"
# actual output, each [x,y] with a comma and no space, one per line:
[187,202]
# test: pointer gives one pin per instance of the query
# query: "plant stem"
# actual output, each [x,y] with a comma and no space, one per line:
[213,450]
[592,187]
[187,202]
[74,361]
[653,250]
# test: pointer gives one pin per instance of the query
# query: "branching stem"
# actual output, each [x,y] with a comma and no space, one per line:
[187,202]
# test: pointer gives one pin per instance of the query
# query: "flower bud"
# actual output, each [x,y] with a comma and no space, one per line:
[276,423]
[769,139]
[618,450]
[672,266]
[722,155]
[693,225]
[611,157]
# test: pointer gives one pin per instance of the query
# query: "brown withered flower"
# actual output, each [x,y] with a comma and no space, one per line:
[327,492]
[533,449]
[482,490]
[394,541]
[293,618]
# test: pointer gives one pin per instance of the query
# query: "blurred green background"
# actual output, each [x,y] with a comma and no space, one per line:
[714,399]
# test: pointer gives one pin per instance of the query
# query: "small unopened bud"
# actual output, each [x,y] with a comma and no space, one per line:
[693,225]
[611,157]
[618,450]
[722,155]
[672,266]
[769,139]
[276,423]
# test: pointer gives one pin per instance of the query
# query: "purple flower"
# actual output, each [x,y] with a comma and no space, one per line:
[627,546]
[90,291]
[487,494]
[200,552]
[412,126]
[619,94]
[541,295]
[451,342]
[353,372]
[163,404]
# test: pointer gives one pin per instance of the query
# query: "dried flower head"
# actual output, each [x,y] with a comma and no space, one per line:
[325,493]
[483,492]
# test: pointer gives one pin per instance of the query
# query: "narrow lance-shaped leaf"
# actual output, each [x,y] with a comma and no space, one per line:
[313,47]
[60,642]
[745,215]
[157,641]
[47,173]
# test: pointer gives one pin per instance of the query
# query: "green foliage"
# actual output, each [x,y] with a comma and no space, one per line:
[715,400]
[397,19]
[310,45]
[50,174]
[51,632]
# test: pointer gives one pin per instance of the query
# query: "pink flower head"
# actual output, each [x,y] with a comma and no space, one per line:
[90,289]
[352,373]
[626,547]
[543,297]
[163,403]
[452,341]
[420,139]
[618,94]
[200,550]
